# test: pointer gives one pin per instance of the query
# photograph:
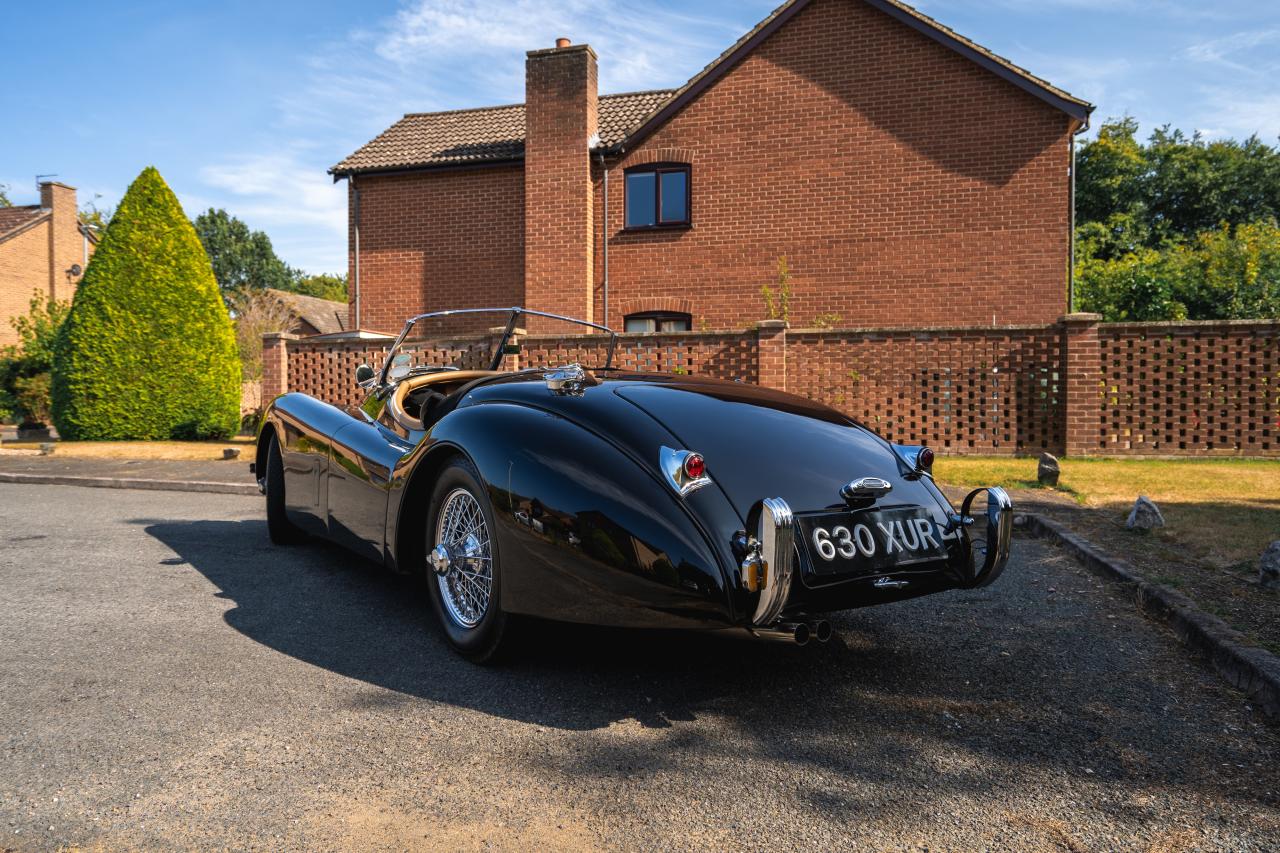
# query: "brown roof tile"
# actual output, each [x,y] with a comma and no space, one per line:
[481,135]
[323,315]
[13,219]
[495,134]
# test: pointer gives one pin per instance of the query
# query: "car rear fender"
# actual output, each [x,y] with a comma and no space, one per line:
[587,534]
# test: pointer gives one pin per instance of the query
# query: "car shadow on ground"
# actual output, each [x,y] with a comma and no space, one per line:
[975,672]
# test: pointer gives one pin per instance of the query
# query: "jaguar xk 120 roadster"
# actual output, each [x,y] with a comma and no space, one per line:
[591,494]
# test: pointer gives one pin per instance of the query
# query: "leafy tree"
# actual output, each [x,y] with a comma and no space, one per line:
[324,286]
[1174,186]
[95,217]
[241,258]
[1178,227]
[4,196]
[257,313]
[147,350]
[25,366]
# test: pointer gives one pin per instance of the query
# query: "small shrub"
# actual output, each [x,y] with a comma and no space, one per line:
[25,366]
[32,396]
[777,303]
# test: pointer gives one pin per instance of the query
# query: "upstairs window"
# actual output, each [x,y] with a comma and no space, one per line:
[657,196]
[658,321]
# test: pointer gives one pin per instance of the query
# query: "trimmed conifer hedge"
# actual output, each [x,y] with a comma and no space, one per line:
[148,350]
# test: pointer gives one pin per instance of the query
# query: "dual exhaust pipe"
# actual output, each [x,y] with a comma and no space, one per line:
[798,633]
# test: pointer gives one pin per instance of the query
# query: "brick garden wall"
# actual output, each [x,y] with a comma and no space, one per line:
[1076,385]
[1180,388]
[962,390]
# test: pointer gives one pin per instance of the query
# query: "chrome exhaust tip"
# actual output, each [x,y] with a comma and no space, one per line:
[797,633]
[821,630]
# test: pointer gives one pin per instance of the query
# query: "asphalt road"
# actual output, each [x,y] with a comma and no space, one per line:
[169,680]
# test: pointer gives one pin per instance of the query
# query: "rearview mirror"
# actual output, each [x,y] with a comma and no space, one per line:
[364,375]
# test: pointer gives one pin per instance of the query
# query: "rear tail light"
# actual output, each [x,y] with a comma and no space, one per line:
[918,459]
[694,466]
[684,470]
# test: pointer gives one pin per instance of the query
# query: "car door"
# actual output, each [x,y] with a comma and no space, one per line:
[364,455]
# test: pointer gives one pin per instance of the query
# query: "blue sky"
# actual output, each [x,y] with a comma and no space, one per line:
[244,105]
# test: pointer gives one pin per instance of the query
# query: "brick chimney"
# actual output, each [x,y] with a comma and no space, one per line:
[66,243]
[560,119]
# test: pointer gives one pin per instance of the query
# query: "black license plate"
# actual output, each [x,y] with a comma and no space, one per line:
[871,541]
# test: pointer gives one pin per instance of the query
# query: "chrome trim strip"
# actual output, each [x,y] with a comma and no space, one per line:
[999,536]
[774,530]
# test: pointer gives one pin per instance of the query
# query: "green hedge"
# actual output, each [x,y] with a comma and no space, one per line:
[148,350]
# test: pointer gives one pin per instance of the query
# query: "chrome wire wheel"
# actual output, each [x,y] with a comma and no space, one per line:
[463,558]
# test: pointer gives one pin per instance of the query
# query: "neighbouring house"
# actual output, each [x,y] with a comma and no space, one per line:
[43,249]
[313,315]
[909,176]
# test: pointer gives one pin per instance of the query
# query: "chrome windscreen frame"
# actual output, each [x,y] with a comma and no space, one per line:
[515,314]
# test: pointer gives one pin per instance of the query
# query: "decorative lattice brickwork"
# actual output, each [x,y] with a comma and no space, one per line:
[1162,388]
[964,391]
[1179,388]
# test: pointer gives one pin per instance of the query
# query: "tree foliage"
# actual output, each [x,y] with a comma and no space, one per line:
[4,196]
[1177,228]
[241,258]
[148,349]
[25,366]
[323,286]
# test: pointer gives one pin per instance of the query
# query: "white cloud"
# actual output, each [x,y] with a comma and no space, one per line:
[432,55]
[1239,113]
[1227,51]
[287,196]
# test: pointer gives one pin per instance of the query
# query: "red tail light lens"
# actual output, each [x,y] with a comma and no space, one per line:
[694,466]
[924,459]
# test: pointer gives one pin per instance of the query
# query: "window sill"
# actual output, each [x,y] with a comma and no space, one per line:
[640,229]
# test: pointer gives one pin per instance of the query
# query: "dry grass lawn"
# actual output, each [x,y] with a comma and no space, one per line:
[179,450]
[1227,510]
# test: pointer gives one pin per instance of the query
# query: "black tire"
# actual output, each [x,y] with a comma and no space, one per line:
[281,530]
[482,642]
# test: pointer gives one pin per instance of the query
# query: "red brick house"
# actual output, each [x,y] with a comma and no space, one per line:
[909,176]
[43,249]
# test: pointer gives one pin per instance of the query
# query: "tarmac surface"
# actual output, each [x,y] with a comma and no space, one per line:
[168,679]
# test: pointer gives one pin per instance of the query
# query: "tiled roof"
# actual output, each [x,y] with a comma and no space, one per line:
[13,219]
[497,133]
[324,315]
[482,135]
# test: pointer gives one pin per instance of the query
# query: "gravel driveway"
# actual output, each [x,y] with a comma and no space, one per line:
[167,679]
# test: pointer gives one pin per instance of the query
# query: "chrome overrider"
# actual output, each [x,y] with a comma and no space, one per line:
[769,565]
[993,549]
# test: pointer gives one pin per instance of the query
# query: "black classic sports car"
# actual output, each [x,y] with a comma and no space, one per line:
[592,494]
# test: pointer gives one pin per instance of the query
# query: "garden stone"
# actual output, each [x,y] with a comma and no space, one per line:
[1269,566]
[1048,470]
[1145,515]
[230,453]
[47,448]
